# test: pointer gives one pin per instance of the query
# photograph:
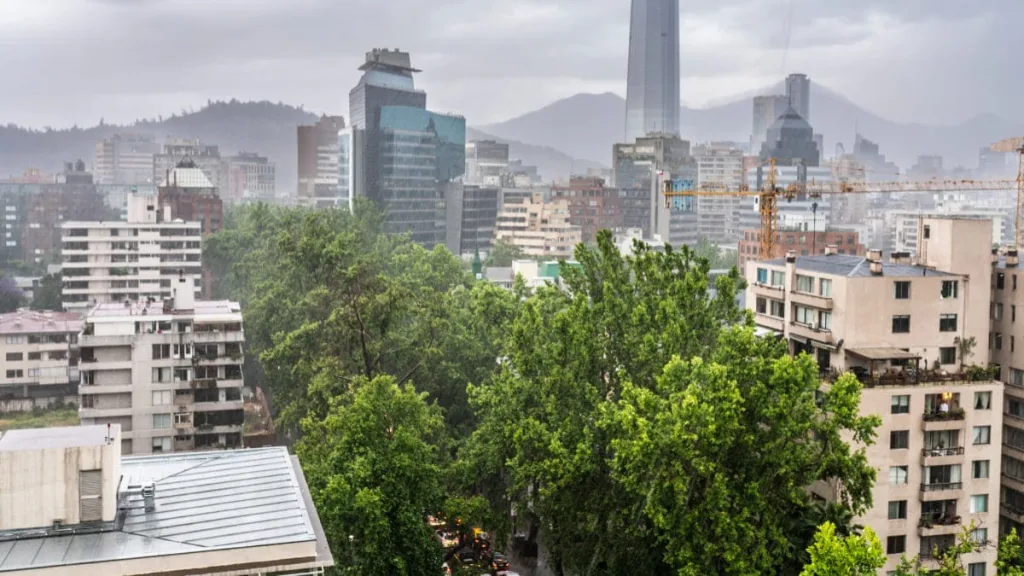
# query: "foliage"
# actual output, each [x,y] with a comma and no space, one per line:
[718,258]
[55,416]
[47,296]
[373,469]
[950,561]
[1010,561]
[644,434]
[502,253]
[11,297]
[834,555]
[965,348]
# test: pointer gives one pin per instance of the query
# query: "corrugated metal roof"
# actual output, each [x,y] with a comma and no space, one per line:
[205,501]
[856,266]
[187,178]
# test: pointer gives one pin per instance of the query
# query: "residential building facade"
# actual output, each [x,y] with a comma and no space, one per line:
[168,372]
[319,149]
[592,206]
[133,261]
[260,176]
[636,169]
[125,159]
[39,360]
[719,167]
[897,326]
[539,228]
[803,242]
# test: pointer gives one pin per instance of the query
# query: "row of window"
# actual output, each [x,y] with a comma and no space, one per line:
[900,403]
[901,323]
[52,355]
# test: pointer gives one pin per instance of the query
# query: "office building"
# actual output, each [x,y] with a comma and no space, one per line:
[767,110]
[719,167]
[479,218]
[539,228]
[206,157]
[319,148]
[904,225]
[125,159]
[74,505]
[803,242]
[790,141]
[259,174]
[927,167]
[635,172]
[169,372]
[592,206]
[192,197]
[486,162]
[652,83]
[897,326]
[876,167]
[408,157]
[133,260]
[798,94]
[39,357]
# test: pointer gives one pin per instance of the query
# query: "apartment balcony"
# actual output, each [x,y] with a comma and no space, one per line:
[183,400]
[217,337]
[106,365]
[770,322]
[935,421]
[1015,513]
[182,427]
[942,456]
[91,389]
[223,429]
[1013,482]
[90,341]
[218,406]
[103,412]
[773,292]
[811,333]
[1013,420]
[811,300]
[184,443]
[942,491]
[936,525]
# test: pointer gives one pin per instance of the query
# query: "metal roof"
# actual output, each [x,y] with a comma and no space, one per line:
[25,321]
[857,267]
[205,501]
[883,353]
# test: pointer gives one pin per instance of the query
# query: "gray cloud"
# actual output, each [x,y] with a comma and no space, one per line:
[73,61]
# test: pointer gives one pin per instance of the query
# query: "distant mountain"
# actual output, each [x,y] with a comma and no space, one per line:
[262,127]
[586,125]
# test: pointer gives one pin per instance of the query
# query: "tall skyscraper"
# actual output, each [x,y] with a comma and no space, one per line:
[767,110]
[798,92]
[652,84]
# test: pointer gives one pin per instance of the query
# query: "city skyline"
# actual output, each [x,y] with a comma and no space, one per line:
[493,61]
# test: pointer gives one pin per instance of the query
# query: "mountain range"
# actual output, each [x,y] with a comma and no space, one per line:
[585,126]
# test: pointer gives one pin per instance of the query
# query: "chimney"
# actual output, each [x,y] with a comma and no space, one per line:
[831,250]
[876,267]
[1012,260]
[900,258]
[184,292]
[874,255]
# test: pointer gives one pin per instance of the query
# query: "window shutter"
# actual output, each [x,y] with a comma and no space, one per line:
[90,490]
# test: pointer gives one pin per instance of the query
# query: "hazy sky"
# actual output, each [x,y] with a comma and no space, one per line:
[75,61]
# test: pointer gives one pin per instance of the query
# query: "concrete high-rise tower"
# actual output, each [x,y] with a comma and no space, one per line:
[652,84]
[798,92]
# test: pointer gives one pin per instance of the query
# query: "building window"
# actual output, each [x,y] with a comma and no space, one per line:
[762,275]
[947,355]
[900,324]
[162,444]
[778,309]
[182,418]
[982,400]
[999,340]
[804,315]
[1000,281]
[979,469]
[996,311]
[980,535]
[897,510]
[979,503]
[927,232]
[778,278]
[804,284]
[161,421]
[901,404]
[982,435]
[895,545]
[1013,344]
[897,475]
[825,288]
[35,355]
[762,306]
[1013,312]
[899,439]
[15,374]
[950,288]
[902,290]
[976,569]
[825,320]
[1016,377]
[947,323]
[15,339]
[14,356]
[163,397]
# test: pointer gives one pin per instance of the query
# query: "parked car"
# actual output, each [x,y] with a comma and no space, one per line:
[498,562]
[466,556]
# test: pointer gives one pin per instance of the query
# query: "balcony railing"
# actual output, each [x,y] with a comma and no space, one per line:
[952,414]
[932,520]
[937,487]
[935,452]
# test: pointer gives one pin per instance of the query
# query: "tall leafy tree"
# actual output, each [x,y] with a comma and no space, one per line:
[11,297]
[502,253]
[374,470]
[47,296]
[832,554]
[1010,561]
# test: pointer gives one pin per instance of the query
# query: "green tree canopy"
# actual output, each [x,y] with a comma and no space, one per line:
[47,296]
[835,555]
[502,253]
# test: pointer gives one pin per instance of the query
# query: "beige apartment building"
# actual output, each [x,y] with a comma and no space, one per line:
[539,228]
[39,360]
[168,373]
[898,326]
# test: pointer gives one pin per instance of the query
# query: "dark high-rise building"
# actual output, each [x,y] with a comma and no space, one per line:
[790,141]
[479,215]
[409,157]
[798,93]
[652,83]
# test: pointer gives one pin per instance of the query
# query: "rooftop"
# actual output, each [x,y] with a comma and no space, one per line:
[204,502]
[26,321]
[143,308]
[856,267]
[43,438]
[187,175]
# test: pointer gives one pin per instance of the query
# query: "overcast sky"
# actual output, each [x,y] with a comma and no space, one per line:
[75,61]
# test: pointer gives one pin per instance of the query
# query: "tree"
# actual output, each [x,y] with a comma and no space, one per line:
[950,559]
[835,555]
[11,297]
[502,254]
[47,296]
[717,258]
[1010,561]
[373,470]
[639,422]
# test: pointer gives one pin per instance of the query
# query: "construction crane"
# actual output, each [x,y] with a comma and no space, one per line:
[770,193]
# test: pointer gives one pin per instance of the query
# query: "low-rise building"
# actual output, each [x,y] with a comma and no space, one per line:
[39,363]
[803,242]
[538,228]
[72,505]
[904,327]
[592,205]
[169,372]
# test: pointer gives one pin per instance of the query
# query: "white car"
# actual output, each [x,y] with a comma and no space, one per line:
[447,540]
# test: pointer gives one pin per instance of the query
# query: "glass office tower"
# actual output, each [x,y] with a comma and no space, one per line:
[652,84]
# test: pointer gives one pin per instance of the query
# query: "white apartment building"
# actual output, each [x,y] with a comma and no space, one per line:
[539,228]
[133,260]
[39,360]
[168,372]
[897,326]
[903,224]
[718,216]
[125,159]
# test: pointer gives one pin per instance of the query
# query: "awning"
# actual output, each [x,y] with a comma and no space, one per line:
[878,354]
[824,346]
